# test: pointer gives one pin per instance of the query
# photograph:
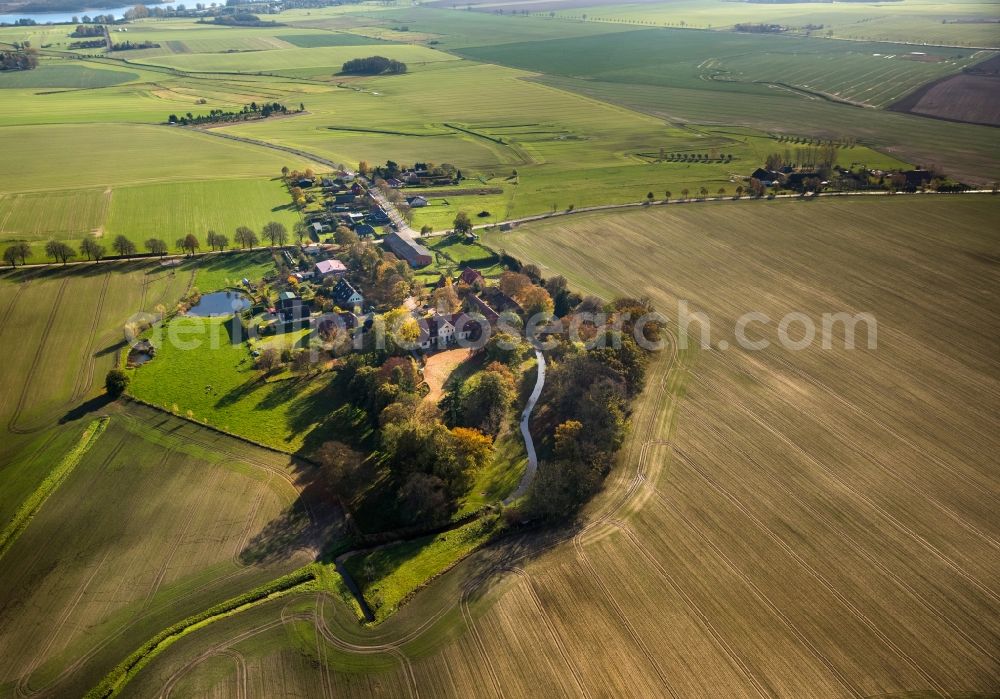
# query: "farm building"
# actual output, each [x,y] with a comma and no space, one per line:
[442,330]
[417,202]
[408,249]
[484,308]
[472,277]
[346,296]
[291,307]
[327,268]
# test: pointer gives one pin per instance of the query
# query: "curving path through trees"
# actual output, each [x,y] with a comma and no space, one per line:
[529,444]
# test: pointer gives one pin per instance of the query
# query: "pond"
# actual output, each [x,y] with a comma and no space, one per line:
[221,303]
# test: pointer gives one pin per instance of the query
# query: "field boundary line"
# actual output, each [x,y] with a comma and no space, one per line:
[34,502]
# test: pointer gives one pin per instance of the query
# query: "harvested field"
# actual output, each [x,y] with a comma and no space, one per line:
[780,523]
[969,98]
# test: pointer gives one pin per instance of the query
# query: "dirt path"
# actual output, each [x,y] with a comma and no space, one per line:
[529,444]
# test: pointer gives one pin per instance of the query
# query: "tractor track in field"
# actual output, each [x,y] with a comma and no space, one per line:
[837,594]
[29,378]
[86,376]
[861,497]
[553,633]
[771,606]
[477,638]
[217,649]
[855,547]
[391,649]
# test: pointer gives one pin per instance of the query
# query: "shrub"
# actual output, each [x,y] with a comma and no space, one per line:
[116,382]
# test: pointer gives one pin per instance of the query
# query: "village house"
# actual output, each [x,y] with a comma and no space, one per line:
[346,296]
[328,268]
[472,277]
[480,306]
[290,307]
[417,202]
[415,254]
[443,330]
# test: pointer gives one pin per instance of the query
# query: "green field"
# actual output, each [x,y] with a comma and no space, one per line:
[196,207]
[866,73]
[916,21]
[62,75]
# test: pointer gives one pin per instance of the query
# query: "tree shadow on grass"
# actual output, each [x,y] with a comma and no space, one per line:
[85,408]
[241,392]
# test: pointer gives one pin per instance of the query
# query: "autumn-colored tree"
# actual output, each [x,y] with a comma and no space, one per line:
[473,448]
[534,300]
[513,283]
[446,299]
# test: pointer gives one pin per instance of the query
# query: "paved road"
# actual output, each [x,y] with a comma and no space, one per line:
[710,199]
[529,444]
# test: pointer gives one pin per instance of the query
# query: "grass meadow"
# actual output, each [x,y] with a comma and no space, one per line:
[215,383]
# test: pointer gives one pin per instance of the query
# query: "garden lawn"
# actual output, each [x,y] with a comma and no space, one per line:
[199,373]
[216,272]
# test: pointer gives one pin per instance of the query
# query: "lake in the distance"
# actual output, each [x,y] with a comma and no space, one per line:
[221,303]
[64,17]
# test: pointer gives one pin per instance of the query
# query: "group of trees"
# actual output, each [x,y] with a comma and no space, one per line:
[134,45]
[86,30]
[586,397]
[429,464]
[373,65]
[91,248]
[247,113]
[23,59]
[697,157]
[531,297]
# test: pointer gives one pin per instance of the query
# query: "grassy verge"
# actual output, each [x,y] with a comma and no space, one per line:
[115,680]
[34,502]
[388,577]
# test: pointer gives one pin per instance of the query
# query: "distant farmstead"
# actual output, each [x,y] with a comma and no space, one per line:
[408,249]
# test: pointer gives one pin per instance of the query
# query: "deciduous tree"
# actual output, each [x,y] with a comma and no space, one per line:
[156,246]
[246,237]
[123,246]
[59,250]
[275,233]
